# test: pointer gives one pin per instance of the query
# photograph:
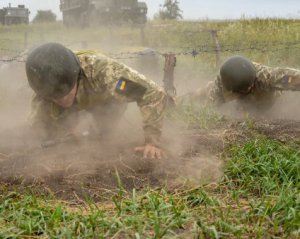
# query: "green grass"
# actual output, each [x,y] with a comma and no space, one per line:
[258,197]
[270,172]
[271,41]
[265,167]
[191,115]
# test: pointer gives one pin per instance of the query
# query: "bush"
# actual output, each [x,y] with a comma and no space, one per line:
[44,16]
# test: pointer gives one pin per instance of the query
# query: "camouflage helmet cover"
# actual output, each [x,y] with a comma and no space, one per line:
[238,74]
[52,70]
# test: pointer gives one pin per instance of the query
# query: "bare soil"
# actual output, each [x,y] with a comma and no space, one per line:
[90,168]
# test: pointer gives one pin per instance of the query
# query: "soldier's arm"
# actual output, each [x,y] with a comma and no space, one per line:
[210,94]
[41,118]
[127,85]
[214,93]
[278,78]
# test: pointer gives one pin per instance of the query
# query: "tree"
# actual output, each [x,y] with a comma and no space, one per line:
[44,16]
[170,10]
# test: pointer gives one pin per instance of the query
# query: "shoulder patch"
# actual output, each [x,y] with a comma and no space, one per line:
[130,89]
[121,84]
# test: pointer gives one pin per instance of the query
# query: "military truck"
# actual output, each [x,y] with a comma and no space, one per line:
[94,12]
[14,15]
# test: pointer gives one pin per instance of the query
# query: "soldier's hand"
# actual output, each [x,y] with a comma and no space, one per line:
[151,151]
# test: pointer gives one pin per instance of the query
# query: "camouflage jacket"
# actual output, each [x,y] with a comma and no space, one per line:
[268,85]
[104,83]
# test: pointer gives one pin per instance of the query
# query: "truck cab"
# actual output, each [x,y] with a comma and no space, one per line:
[95,12]
[15,15]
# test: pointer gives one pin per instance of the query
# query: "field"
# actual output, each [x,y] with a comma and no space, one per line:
[228,174]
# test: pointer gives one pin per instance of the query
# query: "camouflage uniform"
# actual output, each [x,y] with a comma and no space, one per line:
[104,88]
[267,87]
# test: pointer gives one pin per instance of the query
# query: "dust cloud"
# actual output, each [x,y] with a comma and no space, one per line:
[89,163]
[15,95]
[283,107]
[286,107]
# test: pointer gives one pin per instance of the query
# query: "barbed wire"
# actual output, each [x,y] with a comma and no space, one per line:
[242,43]
[195,51]
[210,49]
[20,57]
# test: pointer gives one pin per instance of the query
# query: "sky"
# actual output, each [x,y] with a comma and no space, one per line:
[195,9]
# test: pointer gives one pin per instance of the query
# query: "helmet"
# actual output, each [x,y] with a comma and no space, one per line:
[237,74]
[52,70]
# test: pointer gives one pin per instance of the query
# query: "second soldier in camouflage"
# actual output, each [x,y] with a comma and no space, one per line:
[253,85]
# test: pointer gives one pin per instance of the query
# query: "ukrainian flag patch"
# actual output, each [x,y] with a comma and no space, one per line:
[132,90]
[121,84]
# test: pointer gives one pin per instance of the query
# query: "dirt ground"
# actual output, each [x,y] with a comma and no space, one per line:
[90,167]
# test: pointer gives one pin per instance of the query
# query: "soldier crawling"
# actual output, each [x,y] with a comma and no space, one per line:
[255,86]
[65,82]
